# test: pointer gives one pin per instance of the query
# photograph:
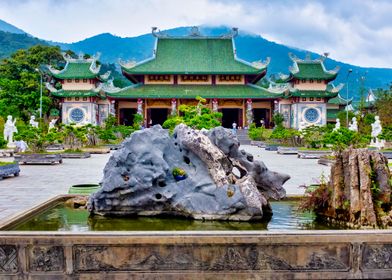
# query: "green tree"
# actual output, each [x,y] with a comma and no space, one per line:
[20,82]
[198,117]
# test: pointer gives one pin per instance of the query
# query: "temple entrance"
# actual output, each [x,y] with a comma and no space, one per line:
[126,116]
[157,116]
[231,115]
[261,114]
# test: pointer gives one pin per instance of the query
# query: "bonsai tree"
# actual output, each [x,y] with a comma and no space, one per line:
[37,138]
[198,117]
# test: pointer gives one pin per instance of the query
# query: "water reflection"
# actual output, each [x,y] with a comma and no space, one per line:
[62,218]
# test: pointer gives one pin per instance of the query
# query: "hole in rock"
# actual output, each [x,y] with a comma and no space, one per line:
[162,184]
[175,143]
[236,172]
[187,160]
[125,177]
[158,196]
[180,150]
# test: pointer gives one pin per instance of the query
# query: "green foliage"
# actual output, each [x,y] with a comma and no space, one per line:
[342,116]
[316,197]
[343,138]
[197,117]
[178,171]
[286,136]
[256,133]
[383,105]
[3,143]
[386,133]
[313,136]
[37,138]
[278,119]
[20,82]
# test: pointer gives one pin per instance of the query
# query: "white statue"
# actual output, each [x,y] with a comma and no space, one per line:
[376,131]
[9,130]
[301,127]
[52,123]
[354,125]
[21,146]
[32,122]
[337,125]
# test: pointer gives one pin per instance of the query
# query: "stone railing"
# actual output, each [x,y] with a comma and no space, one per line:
[184,255]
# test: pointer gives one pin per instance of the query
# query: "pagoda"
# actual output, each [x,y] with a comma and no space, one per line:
[80,88]
[182,68]
[310,91]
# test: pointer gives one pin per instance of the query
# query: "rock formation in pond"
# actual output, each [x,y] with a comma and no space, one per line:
[222,182]
[359,192]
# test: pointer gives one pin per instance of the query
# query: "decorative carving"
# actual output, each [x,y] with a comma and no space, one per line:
[377,257]
[237,258]
[47,258]
[323,262]
[8,259]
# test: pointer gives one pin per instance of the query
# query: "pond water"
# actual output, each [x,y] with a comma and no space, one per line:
[63,218]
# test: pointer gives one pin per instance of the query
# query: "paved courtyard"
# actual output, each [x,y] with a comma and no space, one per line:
[38,183]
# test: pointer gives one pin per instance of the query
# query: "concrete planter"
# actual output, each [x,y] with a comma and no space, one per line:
[113,146]
[313,154]
[76,155]
[287,150]
[271,147]
[9,169]
[326,161]
[38,158]
[259,144]
[388,154]
[98,150]
[55,147]
[84,189]
[7,152]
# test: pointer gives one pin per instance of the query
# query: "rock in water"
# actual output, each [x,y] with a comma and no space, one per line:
[222,182]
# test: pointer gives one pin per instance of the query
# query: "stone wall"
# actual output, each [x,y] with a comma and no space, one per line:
[184,255]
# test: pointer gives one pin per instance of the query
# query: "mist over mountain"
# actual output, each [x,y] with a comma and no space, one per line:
[250,47]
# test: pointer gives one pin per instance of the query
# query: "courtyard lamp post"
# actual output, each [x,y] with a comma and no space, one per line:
[348,74]
[40,96]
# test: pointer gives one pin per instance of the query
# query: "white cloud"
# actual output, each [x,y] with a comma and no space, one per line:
[353,31]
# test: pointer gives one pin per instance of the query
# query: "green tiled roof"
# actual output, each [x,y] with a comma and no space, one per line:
[192,91]
[76,70]
[313,93]
[312,70]
[338,100]
[332,113]
[74,93]
[194,56]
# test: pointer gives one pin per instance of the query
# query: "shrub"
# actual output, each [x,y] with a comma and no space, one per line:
[344,138]
[256,133]
[286,136]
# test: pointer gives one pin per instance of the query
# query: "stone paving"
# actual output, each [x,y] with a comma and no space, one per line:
[38,183]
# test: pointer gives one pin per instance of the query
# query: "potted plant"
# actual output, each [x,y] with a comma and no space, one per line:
[9,168]
[179,174]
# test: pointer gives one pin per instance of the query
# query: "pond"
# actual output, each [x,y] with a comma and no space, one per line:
[63,218]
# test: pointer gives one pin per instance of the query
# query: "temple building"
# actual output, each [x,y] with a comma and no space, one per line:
[183,68]
[310,91]
[80,88]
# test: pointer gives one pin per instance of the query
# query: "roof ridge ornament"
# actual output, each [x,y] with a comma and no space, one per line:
[158,33]
[127,64]
[195,32]
[261,64]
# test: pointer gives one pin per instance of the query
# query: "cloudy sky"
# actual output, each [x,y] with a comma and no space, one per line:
[354,31]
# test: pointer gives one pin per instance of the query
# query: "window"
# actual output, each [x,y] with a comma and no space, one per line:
[303,98]
[76,80]
[69,98]
[84,98]
[69,80]
[303,80]
[76,115]
[311,115]
[319,81]
[311,98]
[311,81]
[84,80]
[318,99]
[76,98]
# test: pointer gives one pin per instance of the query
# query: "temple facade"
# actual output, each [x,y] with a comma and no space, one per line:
[79,86]
[310,91]
[182,68]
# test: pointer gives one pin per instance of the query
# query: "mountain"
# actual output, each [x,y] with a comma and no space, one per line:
[6,27]
[250,47]
[11,42]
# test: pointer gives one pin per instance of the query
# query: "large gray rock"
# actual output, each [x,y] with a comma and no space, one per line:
[223,182]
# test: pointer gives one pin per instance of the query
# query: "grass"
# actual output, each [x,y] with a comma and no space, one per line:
[3,163]
[314,149]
